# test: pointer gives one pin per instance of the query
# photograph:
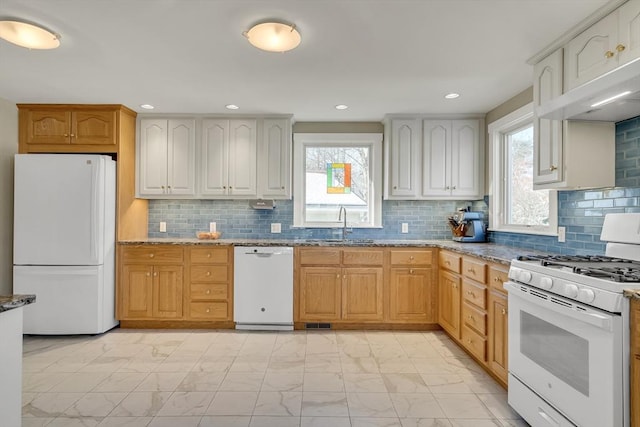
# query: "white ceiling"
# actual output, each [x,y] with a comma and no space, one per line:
[377,56]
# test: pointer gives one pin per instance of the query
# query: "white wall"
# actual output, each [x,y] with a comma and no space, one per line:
[8,147]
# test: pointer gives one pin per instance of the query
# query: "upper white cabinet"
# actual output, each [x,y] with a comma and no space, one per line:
[229,155]
[611,42]
[274,159]
[403,177]
[452,156]
[434,159]
[547,134]
[166,158]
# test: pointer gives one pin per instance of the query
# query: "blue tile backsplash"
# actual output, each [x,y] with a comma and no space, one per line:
[581,212]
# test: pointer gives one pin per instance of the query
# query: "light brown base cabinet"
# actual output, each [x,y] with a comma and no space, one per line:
[177,283]
[473,309]
[363,286]
[635,362]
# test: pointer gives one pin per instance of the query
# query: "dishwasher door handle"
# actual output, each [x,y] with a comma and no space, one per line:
[260,254]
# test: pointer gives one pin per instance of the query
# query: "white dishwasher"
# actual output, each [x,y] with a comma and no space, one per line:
[263,288]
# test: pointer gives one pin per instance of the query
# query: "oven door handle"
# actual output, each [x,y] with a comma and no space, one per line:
[601,321]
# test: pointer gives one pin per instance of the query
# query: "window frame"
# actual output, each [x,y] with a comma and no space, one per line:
[372,140]
[498,186]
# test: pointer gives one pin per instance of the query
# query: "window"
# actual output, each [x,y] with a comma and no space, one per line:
[515,205]
[337,170]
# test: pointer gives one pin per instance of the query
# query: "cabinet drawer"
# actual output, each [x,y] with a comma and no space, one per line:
[450,261]
[320,256]
[474,269]
[152,254]
[200,291]
[474,294]
[411,257]
[474,318]
[362,256]
[208,310]
[209,273]
[208,255]
[497,277]
[474,342]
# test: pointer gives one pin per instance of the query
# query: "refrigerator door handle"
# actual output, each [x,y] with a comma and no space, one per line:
[94,209]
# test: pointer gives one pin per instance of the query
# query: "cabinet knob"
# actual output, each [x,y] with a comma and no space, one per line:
[168,187]
[410,271]
[411,257]
[148,274]
[224,187]
[620,47]
[337,276]
[208,310]
[208,254]
[552,168]
[504,311]
[72,136]
[455,286]
[155,274]
[282,188]
[208,273]
[208,291]
[395,187]
[469,341]
[447,262]
[447,188]
[608,54]
[65,134]
[344,277]
[151,255]
[453,188]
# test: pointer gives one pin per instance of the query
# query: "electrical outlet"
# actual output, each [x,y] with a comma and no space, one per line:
[212,227]
[163,227]
[276,227]
[561,234]
[405,227]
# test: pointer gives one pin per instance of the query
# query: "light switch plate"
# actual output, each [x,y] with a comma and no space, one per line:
[405,227]
[163,227]
[276,227]
[561,234]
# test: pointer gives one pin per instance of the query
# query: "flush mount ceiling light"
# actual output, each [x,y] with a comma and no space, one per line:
[231,107]
[273,36]
[147,106]
[28,35]
[341,107]
[452,95]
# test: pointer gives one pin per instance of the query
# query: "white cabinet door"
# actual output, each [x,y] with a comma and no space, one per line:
[592,53]
[243,149]
[152,157]
[547,134]
[403,163]
[452,160]
[214,166]
[467,158]
[181,143]
[436,153]
[628,47]
[274,161]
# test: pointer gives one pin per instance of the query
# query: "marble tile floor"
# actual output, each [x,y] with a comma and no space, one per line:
[156,378]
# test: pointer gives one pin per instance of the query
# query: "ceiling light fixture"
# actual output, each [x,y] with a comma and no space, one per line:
[452,95]
[28,35]
[147,106]
[273,36]
[611,99]
[231,107]
[341,107]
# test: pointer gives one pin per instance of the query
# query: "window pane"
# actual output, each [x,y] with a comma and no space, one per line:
[524,205]
[335,177]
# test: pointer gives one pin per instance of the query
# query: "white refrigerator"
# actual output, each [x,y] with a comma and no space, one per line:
[64,242]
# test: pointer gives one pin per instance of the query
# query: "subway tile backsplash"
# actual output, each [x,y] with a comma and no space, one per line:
[581,212]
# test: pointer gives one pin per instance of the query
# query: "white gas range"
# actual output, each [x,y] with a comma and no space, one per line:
[569,332]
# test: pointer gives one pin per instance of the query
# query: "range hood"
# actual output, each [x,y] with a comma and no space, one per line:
[578,103]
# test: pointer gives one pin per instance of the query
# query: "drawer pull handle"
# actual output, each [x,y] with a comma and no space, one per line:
[497,279]
[469,341]
[552,168]
[471,293]
[471,270]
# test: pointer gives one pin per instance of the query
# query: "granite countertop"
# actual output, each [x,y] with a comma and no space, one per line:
[488,251]
[9,302]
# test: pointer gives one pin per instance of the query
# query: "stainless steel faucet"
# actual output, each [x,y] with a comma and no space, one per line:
[344,222]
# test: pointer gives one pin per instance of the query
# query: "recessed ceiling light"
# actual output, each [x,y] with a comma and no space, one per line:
[147,106]
[28,35]
[231,107]
[273,36]
[341,107]
[452,95]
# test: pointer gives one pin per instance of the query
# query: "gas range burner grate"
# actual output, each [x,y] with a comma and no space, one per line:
[557,259]
[613,273]
[603,267]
